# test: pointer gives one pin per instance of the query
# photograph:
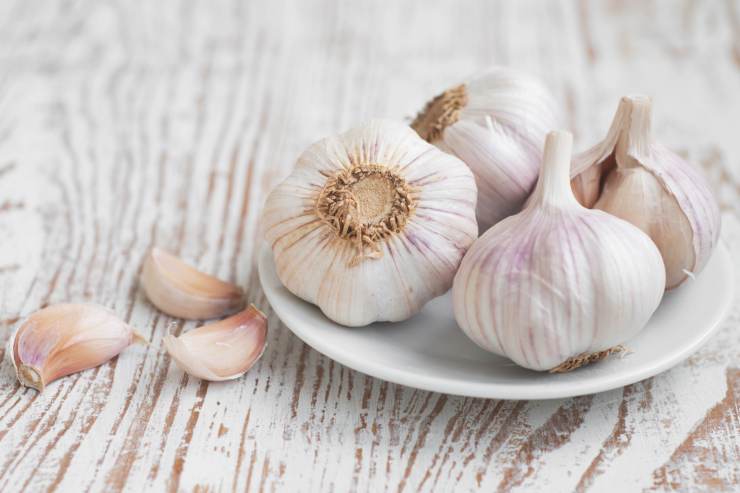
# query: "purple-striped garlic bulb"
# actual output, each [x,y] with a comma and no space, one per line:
[371,224]
[557,285]
[66,338]
[496,123]
[633,177]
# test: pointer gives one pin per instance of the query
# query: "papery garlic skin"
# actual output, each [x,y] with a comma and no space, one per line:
[181,290]
[637,179]
[222,350]
[66,338]
[496,123]
[413,204]
[557,281]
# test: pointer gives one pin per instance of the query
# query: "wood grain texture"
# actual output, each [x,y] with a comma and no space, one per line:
[129,124]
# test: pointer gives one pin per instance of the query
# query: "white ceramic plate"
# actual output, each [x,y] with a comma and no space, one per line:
[430,352]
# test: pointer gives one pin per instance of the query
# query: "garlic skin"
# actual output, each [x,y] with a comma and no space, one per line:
[371,224]
[639,180]
[222,350]
[496,123]
[555,284]
[182,291]
[67,338]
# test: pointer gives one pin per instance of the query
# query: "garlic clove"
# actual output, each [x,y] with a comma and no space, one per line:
[371,224]
[221,350]
[496,123]
[637,179]
[557,285]
[182,291]
[66,338]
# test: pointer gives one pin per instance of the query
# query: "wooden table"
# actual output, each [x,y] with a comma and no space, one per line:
[130,124]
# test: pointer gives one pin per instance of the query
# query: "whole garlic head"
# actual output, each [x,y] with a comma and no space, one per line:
[371,224]
[496,123]
[633,177]
[557,285]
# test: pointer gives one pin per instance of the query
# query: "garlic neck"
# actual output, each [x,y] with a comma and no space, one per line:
[635,134]
[553,187]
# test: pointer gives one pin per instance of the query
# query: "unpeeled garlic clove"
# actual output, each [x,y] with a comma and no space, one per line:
[182,291]
[557,285]
[496,123]
[221,350]
[637,179]
[63,339]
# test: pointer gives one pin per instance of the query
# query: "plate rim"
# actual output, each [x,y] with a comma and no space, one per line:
[497,390]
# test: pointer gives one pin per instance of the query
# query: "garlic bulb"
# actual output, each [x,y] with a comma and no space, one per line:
[221,350]
[632,177]
[496,123]
[557,285]
[182,291]
[371,224]
[63,339]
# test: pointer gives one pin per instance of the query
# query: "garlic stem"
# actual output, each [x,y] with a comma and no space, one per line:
[553,186]
[635,135]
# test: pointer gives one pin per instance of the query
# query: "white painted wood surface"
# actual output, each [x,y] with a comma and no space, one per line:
[129,124]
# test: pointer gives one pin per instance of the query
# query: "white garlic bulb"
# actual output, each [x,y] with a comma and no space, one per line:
[632,177]
[496,123]
[557,285]
[371,224]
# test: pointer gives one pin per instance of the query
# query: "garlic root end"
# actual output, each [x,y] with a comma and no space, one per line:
[30,377]
[585,359]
